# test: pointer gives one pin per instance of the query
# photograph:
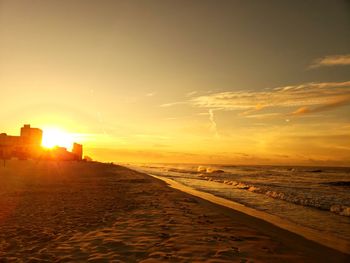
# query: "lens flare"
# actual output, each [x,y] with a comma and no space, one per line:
[57,137]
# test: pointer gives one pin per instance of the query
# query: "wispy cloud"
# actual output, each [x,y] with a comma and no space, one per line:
[265,115]
[172,104]
[279,102]
[335,60]
[334,104]
[308,97]
[189,94]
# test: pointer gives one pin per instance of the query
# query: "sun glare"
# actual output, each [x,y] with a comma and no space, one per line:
[56,137]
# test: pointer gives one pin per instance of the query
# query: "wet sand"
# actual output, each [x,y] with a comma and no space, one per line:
[311,234]
[95,212]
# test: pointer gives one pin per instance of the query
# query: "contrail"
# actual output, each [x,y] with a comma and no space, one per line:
[213,126]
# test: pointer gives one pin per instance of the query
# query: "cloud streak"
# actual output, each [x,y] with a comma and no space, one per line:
[308,98]
[335,104]
[335,60]
[172,104]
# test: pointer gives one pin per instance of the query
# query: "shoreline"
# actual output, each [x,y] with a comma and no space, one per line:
[96,212]
[307,233]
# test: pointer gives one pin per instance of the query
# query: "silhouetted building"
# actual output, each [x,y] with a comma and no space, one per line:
[28,146]
[9,145]
[78,151]
[31,136]
[61,153]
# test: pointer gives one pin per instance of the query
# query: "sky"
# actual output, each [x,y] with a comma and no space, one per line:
[225,82]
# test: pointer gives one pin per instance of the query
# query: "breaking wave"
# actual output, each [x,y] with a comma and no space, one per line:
[210,170]
[224,174]
[288,197]
[196,170]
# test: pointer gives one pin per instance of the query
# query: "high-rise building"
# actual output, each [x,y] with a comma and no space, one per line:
[28,146]
[31,136]
[78,151]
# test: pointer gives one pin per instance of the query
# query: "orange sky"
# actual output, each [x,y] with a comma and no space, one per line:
[182,81]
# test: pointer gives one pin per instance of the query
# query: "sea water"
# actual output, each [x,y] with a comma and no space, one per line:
[313,197]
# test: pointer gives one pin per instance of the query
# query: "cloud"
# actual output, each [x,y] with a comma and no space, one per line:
[257,107]
[172,104]
[308,97]
[335,60]
[265,115]
[335,104]
[189,94]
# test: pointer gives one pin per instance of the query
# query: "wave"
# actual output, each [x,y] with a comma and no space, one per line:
[212,173]
[179,170]
[170,169]
[210,170]
[340,209]
[315,171]
[288,197]
[198,170]
[339,183]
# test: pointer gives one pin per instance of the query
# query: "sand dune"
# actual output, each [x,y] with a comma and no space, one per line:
[105,213]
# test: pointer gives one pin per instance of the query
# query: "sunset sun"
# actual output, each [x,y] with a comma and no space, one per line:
[56,137]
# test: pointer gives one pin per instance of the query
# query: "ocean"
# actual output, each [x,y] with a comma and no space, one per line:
[312,197]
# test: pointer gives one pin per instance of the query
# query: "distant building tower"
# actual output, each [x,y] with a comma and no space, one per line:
[28,146]
[31,139]
[31,136]
[78,151]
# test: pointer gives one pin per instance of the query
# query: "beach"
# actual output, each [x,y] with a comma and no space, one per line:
[93,212]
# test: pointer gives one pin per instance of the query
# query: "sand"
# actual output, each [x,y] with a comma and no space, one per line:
[93,212]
